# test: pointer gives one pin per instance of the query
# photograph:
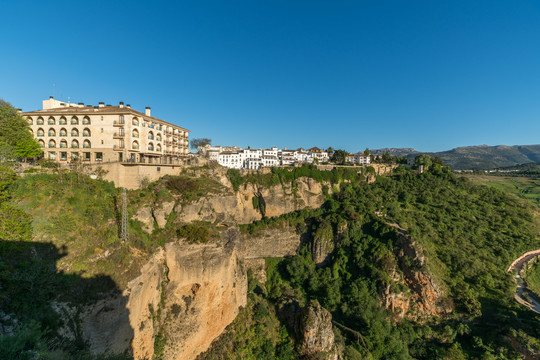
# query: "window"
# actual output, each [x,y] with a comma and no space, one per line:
[74,155]
[63,155]
[135,122]
[52,132]
[101,142]
[135,145]
[102,130]
[135,133]
[158,147]
[63,144]
[86,132]
[74,132]
[86,156]
[30,121]
[86,120]
[52,143]
[151,147]
[51,121]
[158,137]
[40,132]
[86,144]
[41,143]
[75,144]
[99,156]
[62,121]
[74,121]
[150,136]
[39,121]
[102,118]
[63,132]
[52,155]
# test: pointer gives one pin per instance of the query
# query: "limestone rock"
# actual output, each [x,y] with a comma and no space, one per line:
[161,214]
[316,330]
[144,215]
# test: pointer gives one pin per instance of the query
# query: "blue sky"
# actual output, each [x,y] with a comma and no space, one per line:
[431,75]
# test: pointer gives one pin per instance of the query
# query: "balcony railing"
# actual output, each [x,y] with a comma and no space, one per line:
[118,147]
[119,123]
[118,135]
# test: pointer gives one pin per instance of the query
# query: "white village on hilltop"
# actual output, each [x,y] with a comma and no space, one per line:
[254,159]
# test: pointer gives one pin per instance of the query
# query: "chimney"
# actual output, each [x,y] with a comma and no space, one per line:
[81,104]
[101,104]
[147,112]
[128,106]
[50,97]
[121,104]
[89,106]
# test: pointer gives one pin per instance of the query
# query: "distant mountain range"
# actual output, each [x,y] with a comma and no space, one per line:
[481,157]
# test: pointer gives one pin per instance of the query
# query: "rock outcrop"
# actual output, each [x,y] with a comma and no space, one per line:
[237,207]
[312,326]
[186,295]
[425,298]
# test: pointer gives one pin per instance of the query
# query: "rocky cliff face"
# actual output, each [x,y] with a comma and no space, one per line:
[312,325]
[184,297]
[425,298]
[236,207]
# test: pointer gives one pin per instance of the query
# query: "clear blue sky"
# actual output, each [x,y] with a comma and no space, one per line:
[354,74]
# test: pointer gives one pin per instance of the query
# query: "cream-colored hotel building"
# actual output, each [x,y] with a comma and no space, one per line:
[106,133]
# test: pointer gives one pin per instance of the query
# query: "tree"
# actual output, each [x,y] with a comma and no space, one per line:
[330,150]
[340,156]
[15,132]
[386,158]
[196,144]
[424,160]
[28,148]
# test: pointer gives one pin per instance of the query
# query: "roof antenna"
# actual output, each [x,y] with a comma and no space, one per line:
[54,90]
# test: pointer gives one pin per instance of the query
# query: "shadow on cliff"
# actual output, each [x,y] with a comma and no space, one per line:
[31,287]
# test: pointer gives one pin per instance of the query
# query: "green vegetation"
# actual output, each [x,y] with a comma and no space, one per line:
[256,333]
[469,234]
[280,175]
[16,141]
[527,187]
[533,278]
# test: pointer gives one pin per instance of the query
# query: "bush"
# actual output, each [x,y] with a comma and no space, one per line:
[194,233]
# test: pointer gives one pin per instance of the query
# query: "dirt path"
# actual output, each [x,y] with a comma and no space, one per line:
[523,295]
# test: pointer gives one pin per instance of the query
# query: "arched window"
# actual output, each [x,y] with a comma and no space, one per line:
[40,132]
[51,121]
[86,120]
[86,144]
[52,132]
[30,121]
[74,121]
[158,147]
[52,143]
[63,144]
[135,133]
[74,144]
[150,136]
[158,137]
[74,132]
[62,121]
[41,143]
[86,132]
[31,132]
[63,132]
[135,121]
[135,145]
[151,147]
[39,121]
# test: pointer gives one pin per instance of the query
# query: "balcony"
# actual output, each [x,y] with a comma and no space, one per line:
[119,135]
[118,147]
[119,123]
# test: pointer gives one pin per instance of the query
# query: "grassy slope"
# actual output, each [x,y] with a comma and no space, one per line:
[533,278]
[524,187]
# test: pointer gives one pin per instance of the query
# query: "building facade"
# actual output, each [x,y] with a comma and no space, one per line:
[106,133]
